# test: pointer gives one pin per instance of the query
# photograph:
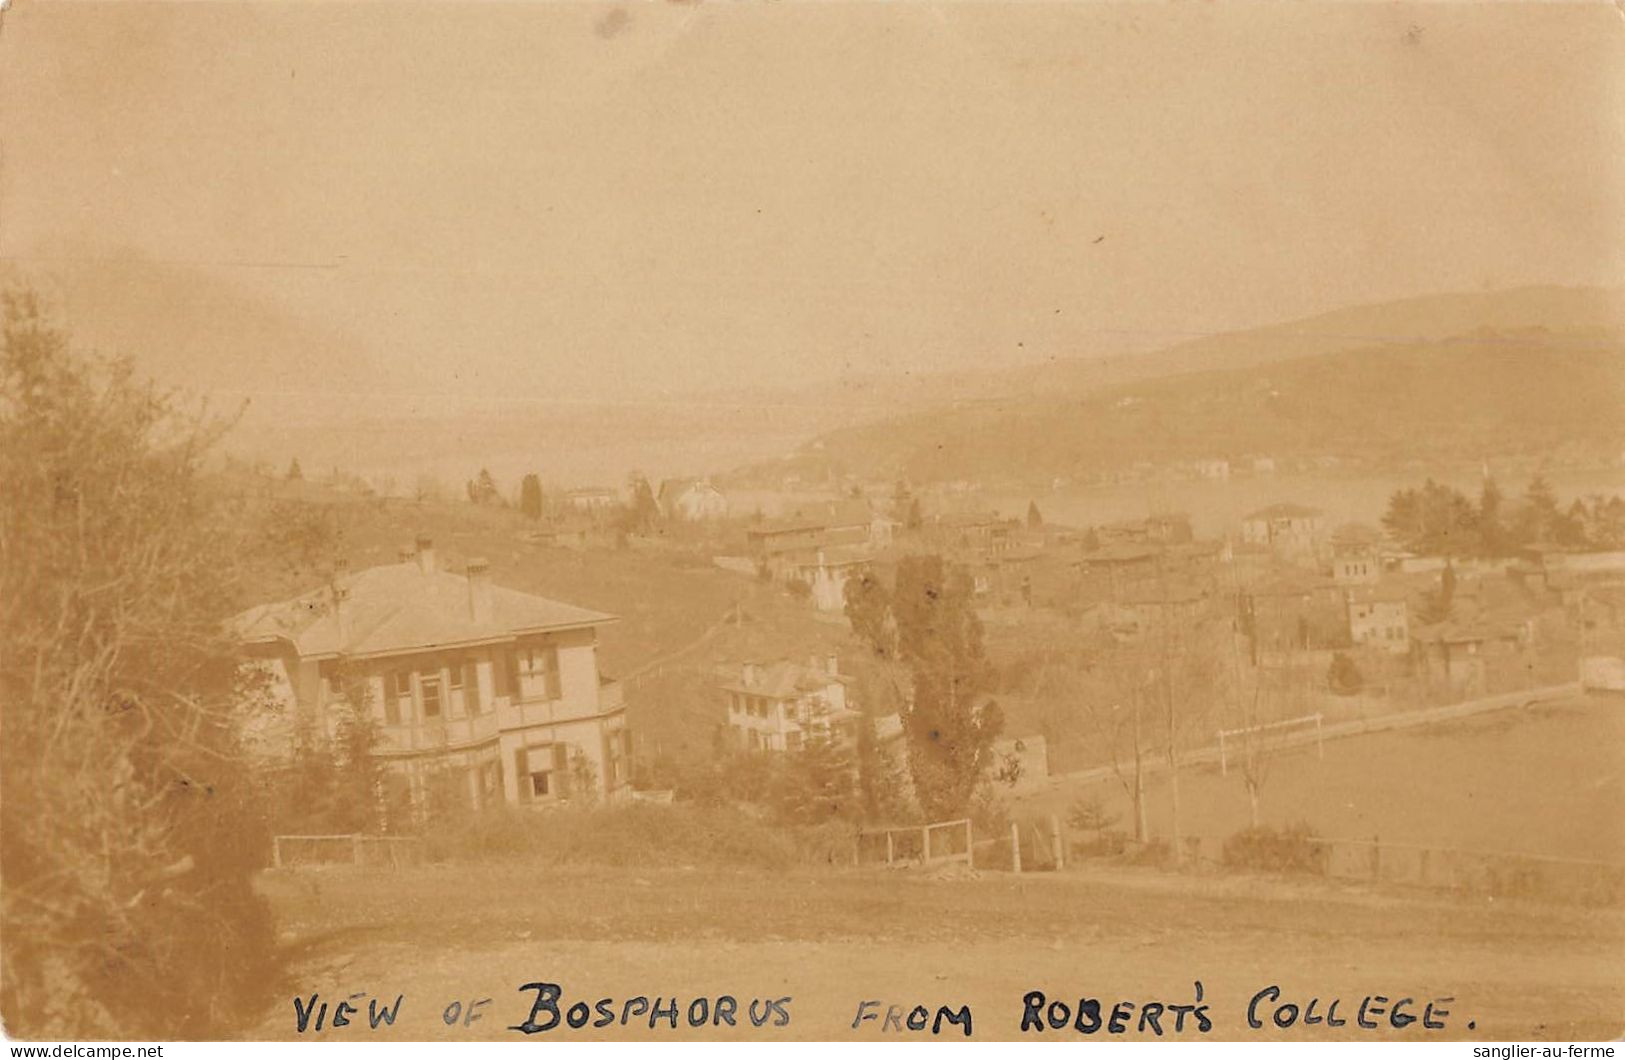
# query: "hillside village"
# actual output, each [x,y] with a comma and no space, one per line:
[736,637]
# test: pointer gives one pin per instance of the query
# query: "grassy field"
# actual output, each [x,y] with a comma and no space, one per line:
[832,939]
[1549,780]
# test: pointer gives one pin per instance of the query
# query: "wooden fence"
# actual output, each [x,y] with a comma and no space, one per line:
[370,851]
[939,843]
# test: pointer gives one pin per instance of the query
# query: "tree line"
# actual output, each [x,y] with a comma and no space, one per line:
[1436,519]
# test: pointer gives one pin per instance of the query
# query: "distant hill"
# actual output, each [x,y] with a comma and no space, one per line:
[1099,361]
[1525,372]
[190,327]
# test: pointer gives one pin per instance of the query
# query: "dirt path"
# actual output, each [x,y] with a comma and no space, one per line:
[832,941]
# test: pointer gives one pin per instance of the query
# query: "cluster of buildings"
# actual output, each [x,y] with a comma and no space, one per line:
[482,695]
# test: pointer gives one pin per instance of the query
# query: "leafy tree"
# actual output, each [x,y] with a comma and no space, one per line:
[949,722]
[294,472]
[530,497]
[483,489]
[129,820]
[880,780]
[1438,605]
[819,782]
[331,782]
[1035,518]
[1343,676]
[643,512]
[1436,520]
[868,609]
[1492,535]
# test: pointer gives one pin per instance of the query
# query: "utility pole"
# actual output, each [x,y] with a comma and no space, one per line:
[1167,609]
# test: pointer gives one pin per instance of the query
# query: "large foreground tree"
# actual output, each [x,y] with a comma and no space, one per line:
[128,834]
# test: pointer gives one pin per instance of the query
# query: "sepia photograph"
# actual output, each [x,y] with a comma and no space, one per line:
[766,521]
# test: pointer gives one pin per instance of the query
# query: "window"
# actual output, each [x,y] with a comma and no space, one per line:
[538,783]
[430,688]
[471,686]
[456,677]
[537,672]
[398,699]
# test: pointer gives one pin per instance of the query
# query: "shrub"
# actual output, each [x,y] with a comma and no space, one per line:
[1344,677]
[130,824]
[1266,849]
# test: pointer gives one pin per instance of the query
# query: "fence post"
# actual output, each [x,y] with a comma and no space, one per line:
[925,845]
[355,850]
[888,847]
[276,852]
[1376,859]
[1015,846]
[1057,845]
[1224,766]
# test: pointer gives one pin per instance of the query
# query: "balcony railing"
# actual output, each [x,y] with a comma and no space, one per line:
[438,733]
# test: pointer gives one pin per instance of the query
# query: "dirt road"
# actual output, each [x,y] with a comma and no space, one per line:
[828,941]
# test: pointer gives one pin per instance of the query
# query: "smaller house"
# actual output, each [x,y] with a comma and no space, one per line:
[691,500]
[779,706]
[1467,657]
[826,572]
[1166,528]
[1356,554]
[815,526]
[1379,619]
[1157,604]
[593,499]
[1291,531]
[1292,610]
[985,532]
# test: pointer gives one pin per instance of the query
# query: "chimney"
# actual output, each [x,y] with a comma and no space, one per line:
[425,554]
[479,590]
[833,664]
[341,600]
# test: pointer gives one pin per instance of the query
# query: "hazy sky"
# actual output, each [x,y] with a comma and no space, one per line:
[619,199]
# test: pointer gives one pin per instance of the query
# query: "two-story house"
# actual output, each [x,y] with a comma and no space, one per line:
[1379,618]
[1291,531]
[776,707]
[478,693]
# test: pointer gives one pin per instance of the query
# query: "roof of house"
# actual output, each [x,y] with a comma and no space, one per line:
[1284,511]
[820,516]
[401,607]
[782,680]
[1121,553]
[829,555]
[676,487]
[1291,583]
[1380,593]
